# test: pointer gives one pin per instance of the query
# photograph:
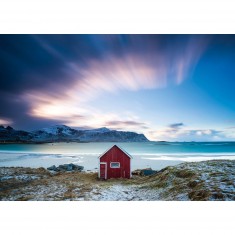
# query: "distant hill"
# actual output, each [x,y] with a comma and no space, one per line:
[62,133]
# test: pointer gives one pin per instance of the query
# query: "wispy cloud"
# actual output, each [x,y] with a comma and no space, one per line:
[176,125]
[175,132]
[188,59]
[63,74]
[231,127]
[127,125]
[229,132]
[5,121]
[113,74]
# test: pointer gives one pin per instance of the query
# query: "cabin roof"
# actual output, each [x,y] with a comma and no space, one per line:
[117,147]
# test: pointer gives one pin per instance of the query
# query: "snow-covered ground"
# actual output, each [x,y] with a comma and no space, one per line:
[208,180]
[120,192]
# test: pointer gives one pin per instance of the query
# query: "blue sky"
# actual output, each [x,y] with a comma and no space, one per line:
[169,87]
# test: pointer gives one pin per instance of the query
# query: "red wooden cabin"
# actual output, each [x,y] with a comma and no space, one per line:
[115,163]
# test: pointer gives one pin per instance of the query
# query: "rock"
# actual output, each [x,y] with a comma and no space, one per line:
[139,171]
[78,168]
[66,167]
[52,168]
[148,172]
[70,167]
[144,172]
[63,167]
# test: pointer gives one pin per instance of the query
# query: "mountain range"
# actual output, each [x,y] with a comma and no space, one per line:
[62,133]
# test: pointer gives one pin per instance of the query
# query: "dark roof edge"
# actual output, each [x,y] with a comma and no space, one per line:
[117,147]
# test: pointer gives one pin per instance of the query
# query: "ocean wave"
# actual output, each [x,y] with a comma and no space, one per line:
[48,153]
[42,156]
[195,143]
[192,158]
[183,154]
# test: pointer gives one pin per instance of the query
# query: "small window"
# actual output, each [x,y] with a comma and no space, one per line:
[115,164]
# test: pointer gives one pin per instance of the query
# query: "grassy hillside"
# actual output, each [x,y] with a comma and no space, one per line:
[208,180]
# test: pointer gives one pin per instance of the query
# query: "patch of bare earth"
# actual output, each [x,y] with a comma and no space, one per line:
[208,180]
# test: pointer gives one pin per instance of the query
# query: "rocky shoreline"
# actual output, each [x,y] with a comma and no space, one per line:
[208,181]
[66,167]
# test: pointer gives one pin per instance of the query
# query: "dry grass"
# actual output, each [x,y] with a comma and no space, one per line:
[192,184]
[183,182]
[199,195]
[184,173]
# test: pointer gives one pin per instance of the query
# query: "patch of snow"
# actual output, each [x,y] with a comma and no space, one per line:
[120,192]
[20,177]
[99,130]
[54,129]
[6,178]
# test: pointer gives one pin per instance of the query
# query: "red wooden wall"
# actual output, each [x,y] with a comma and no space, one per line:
[115,154]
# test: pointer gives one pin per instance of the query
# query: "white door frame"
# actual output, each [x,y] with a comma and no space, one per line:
[105,175]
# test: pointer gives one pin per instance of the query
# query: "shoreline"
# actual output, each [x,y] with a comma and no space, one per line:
[76,141]
[158,161]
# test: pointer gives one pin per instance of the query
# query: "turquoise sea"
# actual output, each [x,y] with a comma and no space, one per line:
[156,155]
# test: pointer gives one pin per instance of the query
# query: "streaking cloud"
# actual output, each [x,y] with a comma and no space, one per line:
[186,134]
[4,121]
[127,82]
[148,68]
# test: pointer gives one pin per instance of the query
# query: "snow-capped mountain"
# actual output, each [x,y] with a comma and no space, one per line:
[100,130]
[60,133]
[58,129]
[8,134]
